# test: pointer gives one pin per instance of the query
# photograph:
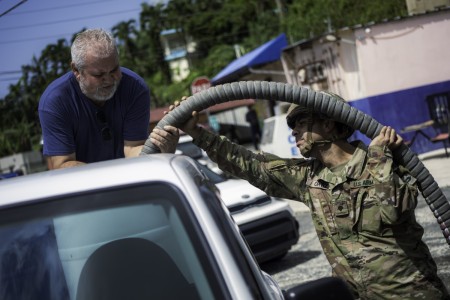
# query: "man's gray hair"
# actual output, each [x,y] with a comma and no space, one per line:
[99,40]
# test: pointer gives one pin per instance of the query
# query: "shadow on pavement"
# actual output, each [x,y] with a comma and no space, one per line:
[291,259]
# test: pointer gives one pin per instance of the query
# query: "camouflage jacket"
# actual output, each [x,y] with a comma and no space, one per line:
[363,215]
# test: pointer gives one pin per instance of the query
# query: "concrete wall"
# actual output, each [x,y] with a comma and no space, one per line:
[404,54]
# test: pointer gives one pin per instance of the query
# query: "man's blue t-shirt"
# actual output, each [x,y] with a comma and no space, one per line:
[70,121]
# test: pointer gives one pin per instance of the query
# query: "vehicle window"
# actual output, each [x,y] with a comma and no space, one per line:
[131,243]
[268,130]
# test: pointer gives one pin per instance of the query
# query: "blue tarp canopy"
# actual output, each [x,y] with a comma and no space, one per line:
[266,53]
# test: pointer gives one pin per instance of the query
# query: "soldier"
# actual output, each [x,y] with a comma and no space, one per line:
[361,203]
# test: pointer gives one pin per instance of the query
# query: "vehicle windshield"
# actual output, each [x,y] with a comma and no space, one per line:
[190,149]
[136,242]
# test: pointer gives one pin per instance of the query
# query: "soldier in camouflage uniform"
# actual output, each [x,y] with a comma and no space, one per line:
[361,203]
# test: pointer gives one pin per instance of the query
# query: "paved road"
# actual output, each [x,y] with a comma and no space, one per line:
[306,261]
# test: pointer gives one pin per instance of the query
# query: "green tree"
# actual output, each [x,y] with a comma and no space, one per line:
[217,22]
[309,18]
[152,24]
[20,130]
[125,34]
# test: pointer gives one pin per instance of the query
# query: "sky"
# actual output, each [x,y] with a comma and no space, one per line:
[27,29]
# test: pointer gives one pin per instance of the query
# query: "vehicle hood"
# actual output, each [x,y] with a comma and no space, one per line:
[236,191]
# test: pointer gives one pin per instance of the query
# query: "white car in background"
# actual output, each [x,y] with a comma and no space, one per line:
[268,224]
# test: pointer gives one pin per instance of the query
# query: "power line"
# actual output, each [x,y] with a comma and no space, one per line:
[35,39]
[57,7]
[10,79]
[12,8]
[68,20]
[10,72]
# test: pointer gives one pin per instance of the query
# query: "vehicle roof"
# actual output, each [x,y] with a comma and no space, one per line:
[125,171]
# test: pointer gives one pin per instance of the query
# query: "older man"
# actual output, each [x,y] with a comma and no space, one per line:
[99,111]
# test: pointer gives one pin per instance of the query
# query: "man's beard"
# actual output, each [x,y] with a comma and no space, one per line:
[100,94]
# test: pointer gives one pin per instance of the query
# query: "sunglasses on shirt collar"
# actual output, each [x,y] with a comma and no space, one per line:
[105,131]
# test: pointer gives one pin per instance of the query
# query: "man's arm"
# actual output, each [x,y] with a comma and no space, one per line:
[265,171]
[380,161]
[63,161]
[166,140]
[132,148]
[399,190]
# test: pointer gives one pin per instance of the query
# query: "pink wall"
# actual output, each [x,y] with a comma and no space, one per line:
[404,54]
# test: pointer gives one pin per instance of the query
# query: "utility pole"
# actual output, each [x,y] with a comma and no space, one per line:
[280,7]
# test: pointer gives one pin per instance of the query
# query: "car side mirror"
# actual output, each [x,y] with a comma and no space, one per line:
[328,288]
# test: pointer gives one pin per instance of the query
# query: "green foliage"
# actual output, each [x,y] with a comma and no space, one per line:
[19,124]
[219,57]
[125,34]
[308,18]
[164,95]
[215,25]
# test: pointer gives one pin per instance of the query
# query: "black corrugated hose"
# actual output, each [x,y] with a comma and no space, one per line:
[318,102]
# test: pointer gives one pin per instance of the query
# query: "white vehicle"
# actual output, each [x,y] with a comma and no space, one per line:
[150,227]
[268,224]
[277,138]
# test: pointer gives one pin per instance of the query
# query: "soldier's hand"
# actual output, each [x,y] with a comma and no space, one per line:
[190,126]
[387,137]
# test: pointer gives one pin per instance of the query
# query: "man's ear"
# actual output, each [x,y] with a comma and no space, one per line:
[329,125]
[75,71]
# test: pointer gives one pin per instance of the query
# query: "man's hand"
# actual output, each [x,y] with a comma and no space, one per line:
[165,139]
[387,137]
[190,127]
